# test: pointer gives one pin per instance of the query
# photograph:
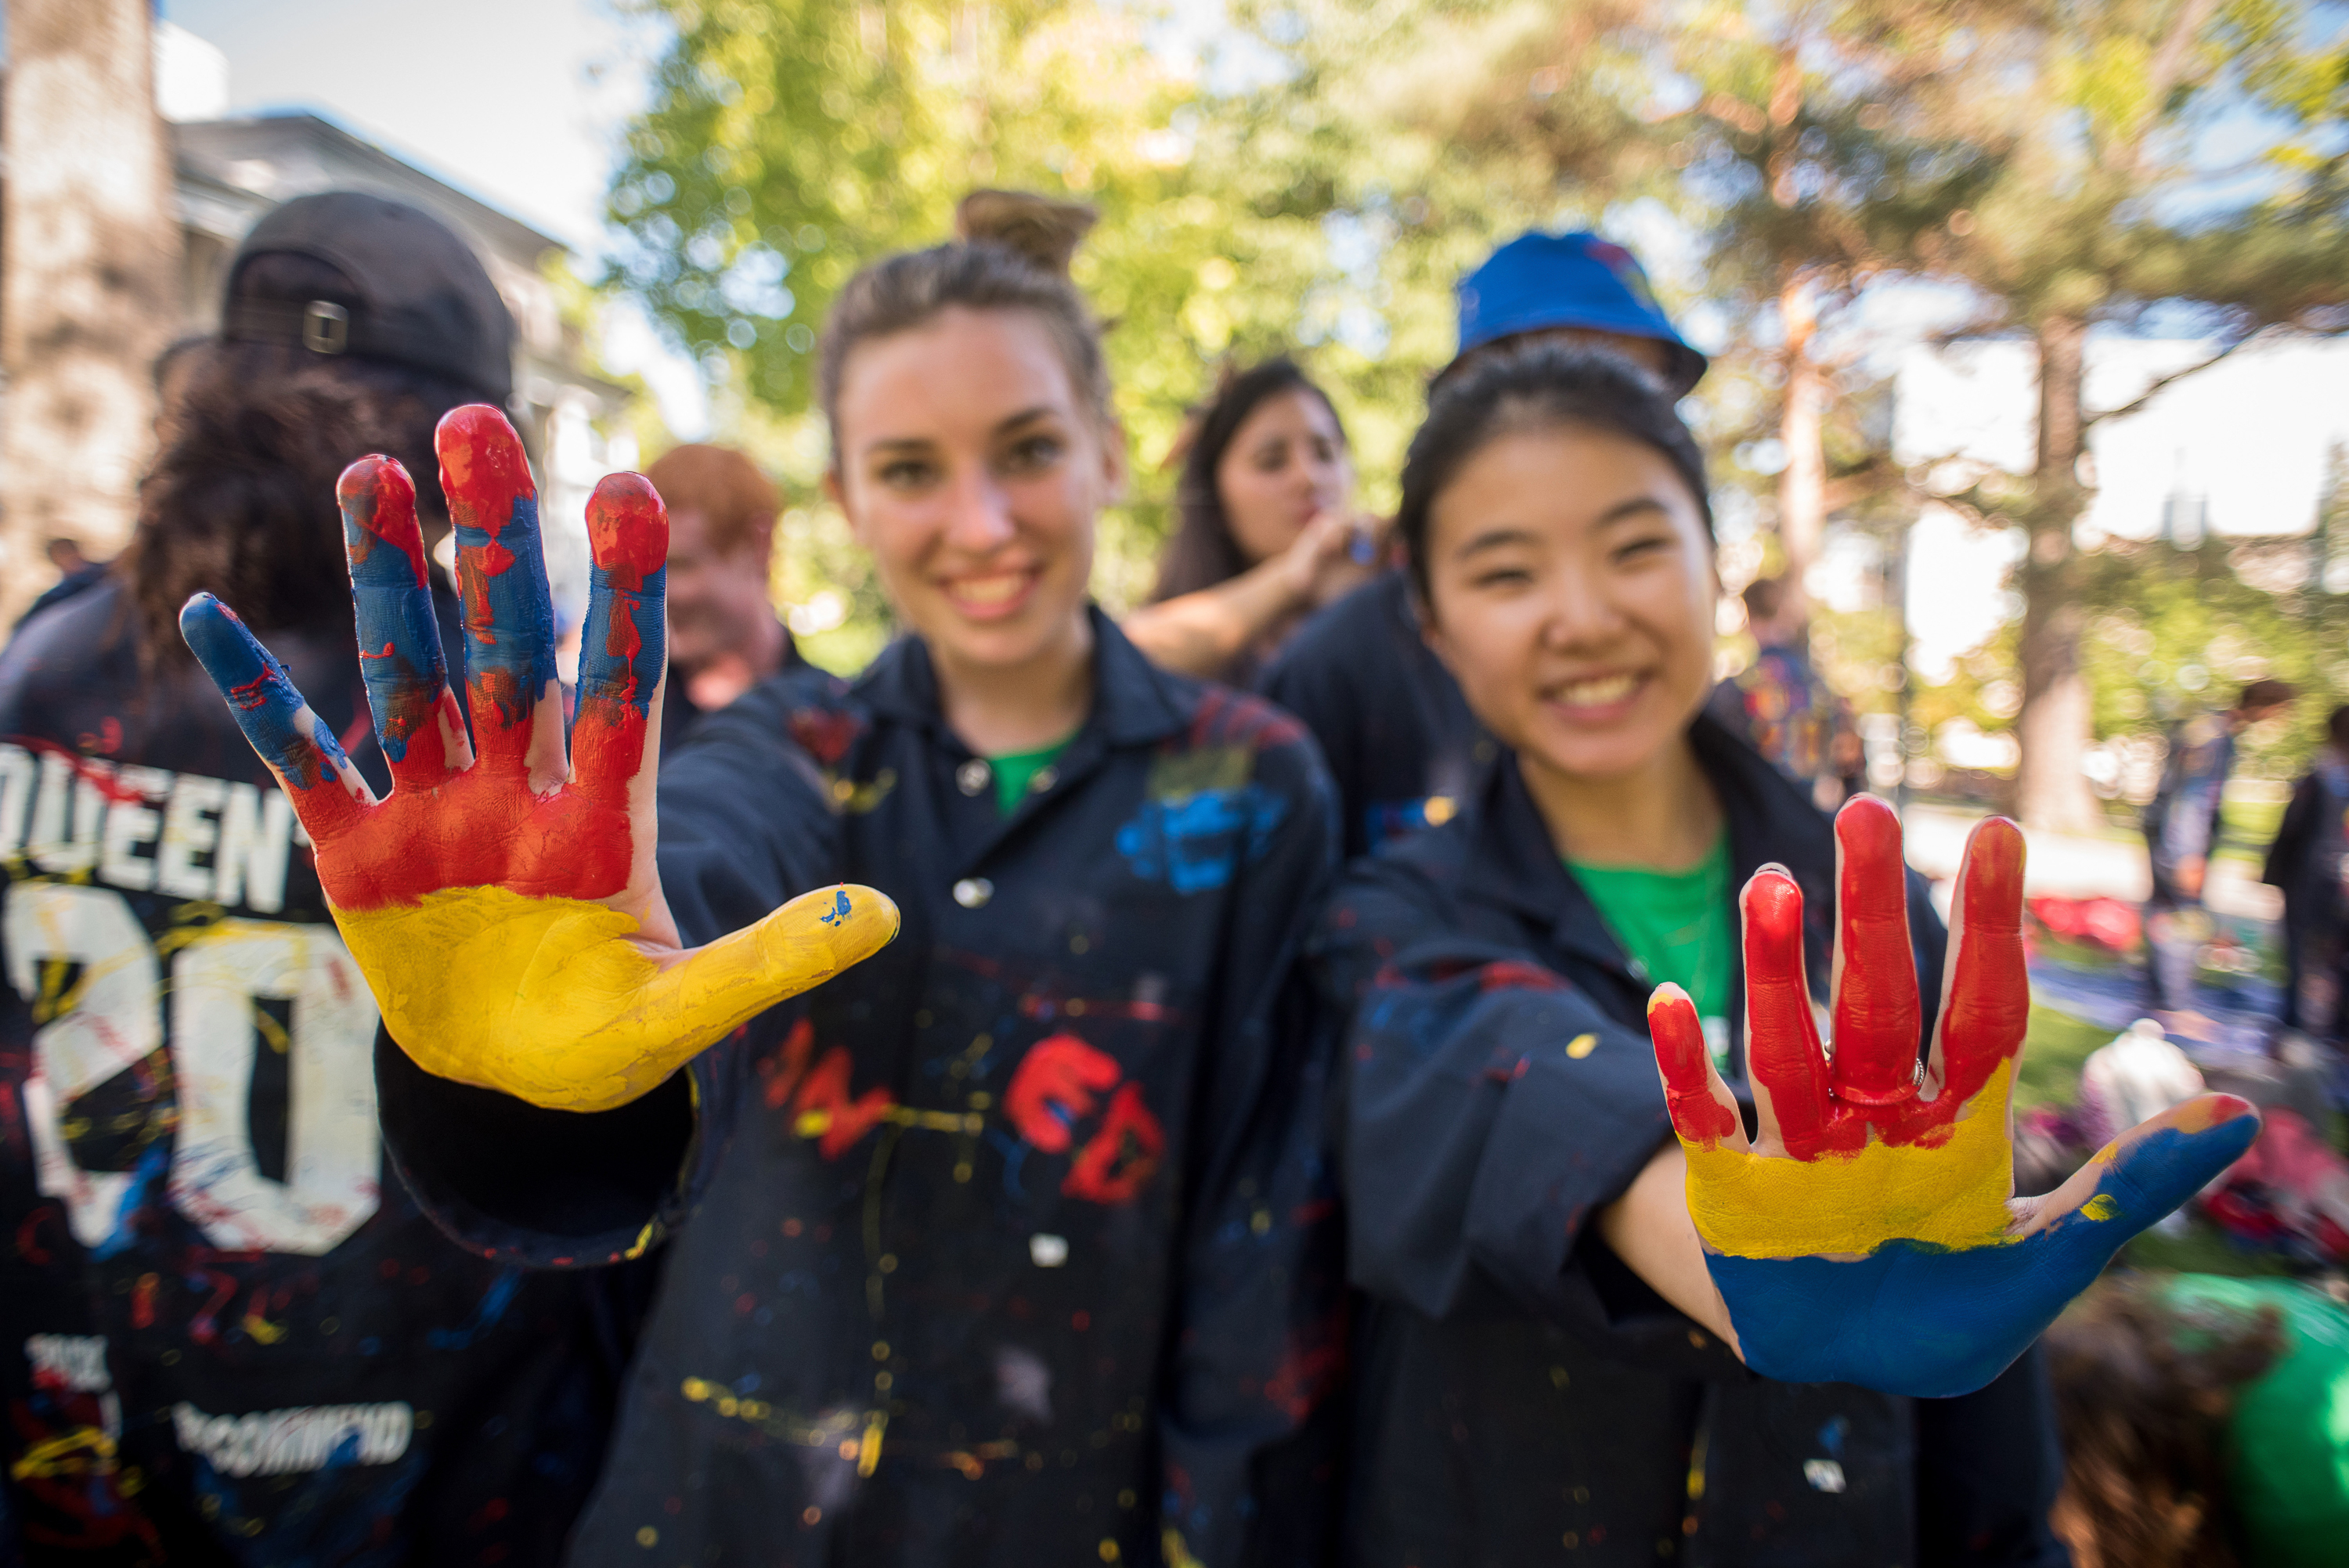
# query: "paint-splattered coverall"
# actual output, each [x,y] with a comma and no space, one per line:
[227,1335]
[1520,1395]
[1013,1244]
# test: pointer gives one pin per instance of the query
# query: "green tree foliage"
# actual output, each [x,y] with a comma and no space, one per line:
[1332,166]
[2170,632]
[790,141]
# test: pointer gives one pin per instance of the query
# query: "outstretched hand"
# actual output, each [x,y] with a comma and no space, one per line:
[503,902]
[1870,1234]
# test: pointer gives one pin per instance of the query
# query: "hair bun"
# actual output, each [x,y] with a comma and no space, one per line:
[1046,232]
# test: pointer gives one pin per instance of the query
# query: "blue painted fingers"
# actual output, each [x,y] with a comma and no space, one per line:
[327,792]
[416,716]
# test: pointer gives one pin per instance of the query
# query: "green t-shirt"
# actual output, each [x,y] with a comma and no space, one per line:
[1015,772]
[1677,924]
[2288,1471]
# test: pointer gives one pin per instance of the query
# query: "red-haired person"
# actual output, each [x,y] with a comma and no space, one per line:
[723,634]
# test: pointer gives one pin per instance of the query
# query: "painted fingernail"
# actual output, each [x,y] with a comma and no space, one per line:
[379,504]
[1868,830]
[1994,868]
[628,529]
[1773,913]
[1679,1038]
[2207,1111]
[482,467]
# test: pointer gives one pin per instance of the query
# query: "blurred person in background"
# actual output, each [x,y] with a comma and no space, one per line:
[1265,530]
[1400,740]
[1580,290]
[2307,863]
[76,571]
[1779,702]
[230,1334]
[2201,1423]
[2183,826]
[723,634]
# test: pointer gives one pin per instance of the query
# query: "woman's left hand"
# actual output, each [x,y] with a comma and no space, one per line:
[1870,1234]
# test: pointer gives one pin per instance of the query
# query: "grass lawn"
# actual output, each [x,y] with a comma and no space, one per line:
[2055,1047]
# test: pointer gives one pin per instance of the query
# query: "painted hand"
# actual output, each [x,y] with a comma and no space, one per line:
[504,906]
[1870,1234]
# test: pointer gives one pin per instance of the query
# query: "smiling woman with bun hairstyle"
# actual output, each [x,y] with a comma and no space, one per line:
[1011,1244]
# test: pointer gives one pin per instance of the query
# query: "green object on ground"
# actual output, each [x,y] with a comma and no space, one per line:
[1676,924]
[2055,1047]
[2201,1248]
[2288,1469]
[1016,770]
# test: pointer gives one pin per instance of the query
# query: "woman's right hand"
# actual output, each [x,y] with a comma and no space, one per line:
[504,906]
[1337,553]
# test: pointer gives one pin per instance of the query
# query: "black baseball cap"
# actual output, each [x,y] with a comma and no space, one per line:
[415,294]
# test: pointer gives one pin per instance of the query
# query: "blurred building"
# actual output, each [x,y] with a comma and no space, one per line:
[88,257]
[227,172]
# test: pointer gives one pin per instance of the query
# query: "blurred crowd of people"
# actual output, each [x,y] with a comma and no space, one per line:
[1027,1239]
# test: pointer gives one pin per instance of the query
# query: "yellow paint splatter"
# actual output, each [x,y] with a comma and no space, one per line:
[1581,1045]
[65,1455]
[2101,1207]
[1952,1196]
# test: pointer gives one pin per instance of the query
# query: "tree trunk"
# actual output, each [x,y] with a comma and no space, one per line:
[1803,482]
[2051,789]
[89,288]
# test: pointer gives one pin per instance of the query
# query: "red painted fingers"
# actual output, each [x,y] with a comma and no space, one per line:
[1781,1038]
[623,647]
[1699,1115]
[1989,991]
[1877,1015]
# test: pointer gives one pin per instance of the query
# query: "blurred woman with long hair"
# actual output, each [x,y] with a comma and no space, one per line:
[1265,529]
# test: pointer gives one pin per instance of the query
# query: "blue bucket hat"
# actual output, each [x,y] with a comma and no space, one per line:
[1538,282]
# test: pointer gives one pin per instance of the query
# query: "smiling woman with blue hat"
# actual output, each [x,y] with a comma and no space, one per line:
[1400,741]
